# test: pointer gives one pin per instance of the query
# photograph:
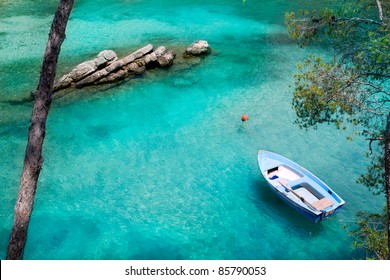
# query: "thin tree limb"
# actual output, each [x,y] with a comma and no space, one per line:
[380,11]
[351,19]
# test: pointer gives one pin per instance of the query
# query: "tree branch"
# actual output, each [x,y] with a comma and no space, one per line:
[373,139]
[380,11]
[320,21]
[376,74]
[363,20]
[378,88]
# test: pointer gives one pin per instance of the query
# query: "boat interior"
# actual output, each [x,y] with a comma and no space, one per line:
[285,172]
[295,182]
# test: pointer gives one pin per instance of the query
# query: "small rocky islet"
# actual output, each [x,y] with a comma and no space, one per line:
[108,68]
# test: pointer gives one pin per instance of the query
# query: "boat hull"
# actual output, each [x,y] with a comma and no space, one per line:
[309,215]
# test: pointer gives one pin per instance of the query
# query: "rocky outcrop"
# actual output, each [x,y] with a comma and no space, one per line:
[198,48]
[86,68]
[115,70]
[107,68]
[164,57]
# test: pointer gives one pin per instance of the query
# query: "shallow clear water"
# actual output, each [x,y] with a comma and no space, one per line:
[162,167]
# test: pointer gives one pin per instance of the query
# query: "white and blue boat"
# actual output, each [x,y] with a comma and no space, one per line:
[298,187]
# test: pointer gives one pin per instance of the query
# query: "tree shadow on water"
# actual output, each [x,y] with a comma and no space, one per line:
[24,101]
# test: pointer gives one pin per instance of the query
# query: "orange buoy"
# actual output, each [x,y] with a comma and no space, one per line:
[244,118]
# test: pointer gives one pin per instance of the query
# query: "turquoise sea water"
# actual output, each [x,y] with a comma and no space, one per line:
[161,167]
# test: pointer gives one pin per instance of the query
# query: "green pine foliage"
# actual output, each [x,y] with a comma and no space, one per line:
[370,234]
[350,90]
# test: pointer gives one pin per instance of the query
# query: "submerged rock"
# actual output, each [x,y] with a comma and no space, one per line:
[198,48]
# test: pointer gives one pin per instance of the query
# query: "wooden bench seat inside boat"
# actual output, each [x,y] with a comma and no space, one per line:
[322,203]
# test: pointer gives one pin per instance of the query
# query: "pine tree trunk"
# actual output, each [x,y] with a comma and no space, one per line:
[387,172]
[33,159]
